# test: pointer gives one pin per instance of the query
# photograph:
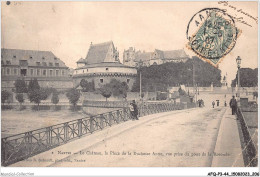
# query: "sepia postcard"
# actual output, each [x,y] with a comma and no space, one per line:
[129,84]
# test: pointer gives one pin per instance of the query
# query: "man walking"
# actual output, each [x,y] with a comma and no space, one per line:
[135,110]
[213,104]
[233,105]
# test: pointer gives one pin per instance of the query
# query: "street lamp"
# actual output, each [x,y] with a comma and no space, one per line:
[238,60]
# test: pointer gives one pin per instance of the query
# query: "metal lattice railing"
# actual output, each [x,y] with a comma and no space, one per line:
[21,146]
[250,148]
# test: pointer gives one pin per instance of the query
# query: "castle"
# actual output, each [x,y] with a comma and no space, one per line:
[134,58]
[101,65]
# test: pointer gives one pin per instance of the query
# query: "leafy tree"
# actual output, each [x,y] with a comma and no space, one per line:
[73,95]
[84,85]
[160,77]
[19,97]
[55,98]
[20,86]
[37,95]
[118,88]
[248,78]
[33,85]
[5,96]
[106,91]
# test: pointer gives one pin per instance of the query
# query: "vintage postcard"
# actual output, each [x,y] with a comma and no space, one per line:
[129,84]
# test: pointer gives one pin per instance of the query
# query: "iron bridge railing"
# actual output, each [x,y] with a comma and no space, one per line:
[250,149]
[24,145]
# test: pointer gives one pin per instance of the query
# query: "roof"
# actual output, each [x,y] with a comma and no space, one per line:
[81,60]
[175,54]
[160,52]
[31,56]
[143,56]
[105,64]
[97,53]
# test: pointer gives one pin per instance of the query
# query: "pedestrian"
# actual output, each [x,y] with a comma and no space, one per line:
[213,104]
[199,103]
[135,110]
[217,103]
[225,104]
[132,110]
[233,105]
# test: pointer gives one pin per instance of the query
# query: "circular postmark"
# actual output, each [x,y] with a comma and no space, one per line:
[212,34]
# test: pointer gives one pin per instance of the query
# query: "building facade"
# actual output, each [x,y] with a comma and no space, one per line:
[49,70]
[101,65]
[134,58]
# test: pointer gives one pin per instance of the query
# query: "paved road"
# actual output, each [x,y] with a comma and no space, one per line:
[175,139]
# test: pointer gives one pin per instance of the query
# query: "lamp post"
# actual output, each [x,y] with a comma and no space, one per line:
[238,60]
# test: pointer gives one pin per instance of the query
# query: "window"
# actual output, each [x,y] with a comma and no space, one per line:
[106,69]
[31,57]
[43,58]
[55,58]
[38,72]
[23,72]
[44,63]
[14,56]
[63,73]
[31,72]
[2,62]
[101,80]
[57,64]
[50,64]
[44,72]
[38,63]
[51,72]
[8,62]
[128,80]
[57,72]
[15,71]
[7,71]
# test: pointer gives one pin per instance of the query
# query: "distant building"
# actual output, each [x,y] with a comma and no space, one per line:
[49,70]
[101,65]
[157,57]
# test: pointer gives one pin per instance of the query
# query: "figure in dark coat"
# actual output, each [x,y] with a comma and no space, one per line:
[134,110]
[233,105]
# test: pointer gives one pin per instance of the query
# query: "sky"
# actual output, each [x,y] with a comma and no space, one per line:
[68,28]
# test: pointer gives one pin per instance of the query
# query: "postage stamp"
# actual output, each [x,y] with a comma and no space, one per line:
[212,34]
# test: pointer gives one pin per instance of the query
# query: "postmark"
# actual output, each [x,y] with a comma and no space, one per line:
[212,34]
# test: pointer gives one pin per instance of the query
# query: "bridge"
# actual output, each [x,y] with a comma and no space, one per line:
[165,135]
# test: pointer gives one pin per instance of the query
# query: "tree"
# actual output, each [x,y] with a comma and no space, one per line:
[73,95]
[118,88]
[33,85]
[123,90]
[55,98]
[84,84]
[248,77]
[19,97]
[37,95]
[106,91]
[5,96]
[20,86]
[160,77]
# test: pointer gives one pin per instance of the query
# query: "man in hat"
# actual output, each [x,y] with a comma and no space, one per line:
[233,105]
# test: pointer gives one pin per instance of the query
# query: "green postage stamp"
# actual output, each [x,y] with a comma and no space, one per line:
[212,34]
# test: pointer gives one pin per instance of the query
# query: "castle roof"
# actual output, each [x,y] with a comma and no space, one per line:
[32,57]
[98,53]
[174,54]
[81,60]
[143,56]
